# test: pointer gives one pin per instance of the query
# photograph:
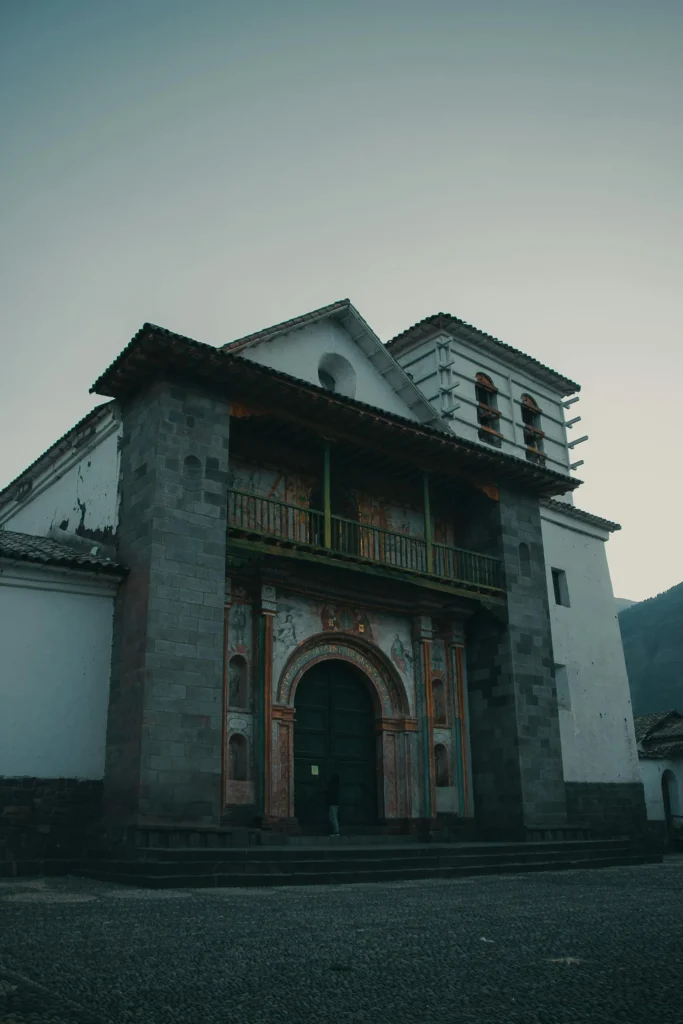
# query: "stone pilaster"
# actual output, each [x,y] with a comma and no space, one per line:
[462,768]
[515,736]
[268,608]
[422,660]
[164,739]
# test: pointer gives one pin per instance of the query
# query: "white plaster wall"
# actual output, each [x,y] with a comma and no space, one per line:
[597,732]
[651,772]
[55,639]
[427,364]
[299,353]
[80,489]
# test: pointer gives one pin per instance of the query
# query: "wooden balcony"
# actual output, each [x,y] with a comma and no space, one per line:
[251,516]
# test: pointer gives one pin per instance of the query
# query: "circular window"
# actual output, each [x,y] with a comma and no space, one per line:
[326,379]
[337,375]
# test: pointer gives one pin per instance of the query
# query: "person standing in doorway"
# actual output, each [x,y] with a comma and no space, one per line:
[333,803]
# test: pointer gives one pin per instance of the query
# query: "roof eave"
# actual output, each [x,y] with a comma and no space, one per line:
[445,322]
[155,353]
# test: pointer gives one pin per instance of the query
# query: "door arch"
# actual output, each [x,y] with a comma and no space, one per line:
[669,799]
[334,733]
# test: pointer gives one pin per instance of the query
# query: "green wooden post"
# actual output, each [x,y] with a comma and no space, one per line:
[327,496]
[428,526]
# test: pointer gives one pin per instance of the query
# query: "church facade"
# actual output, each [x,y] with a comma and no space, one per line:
[344,557]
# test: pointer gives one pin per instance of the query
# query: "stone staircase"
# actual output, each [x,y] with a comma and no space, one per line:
[331,860]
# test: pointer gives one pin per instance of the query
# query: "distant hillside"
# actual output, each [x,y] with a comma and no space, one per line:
[652,632]
[622,603]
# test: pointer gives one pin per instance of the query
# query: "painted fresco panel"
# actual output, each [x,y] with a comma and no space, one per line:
[299,618]
[293,488]
[239,713]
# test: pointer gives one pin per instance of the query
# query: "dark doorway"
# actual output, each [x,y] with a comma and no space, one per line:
[334,732]
[667,780]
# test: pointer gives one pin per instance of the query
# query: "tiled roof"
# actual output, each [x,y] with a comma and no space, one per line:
[644,724]
[447,322]
[155,351]
[27,548]
[662,750]
[660,734]
[578,513]
[287,325]
[56,449]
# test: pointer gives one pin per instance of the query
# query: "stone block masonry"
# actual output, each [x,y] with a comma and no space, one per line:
[164,739]
[514,725]
[610,808]
[45,820]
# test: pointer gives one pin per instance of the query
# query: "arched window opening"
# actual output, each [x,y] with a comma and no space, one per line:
[237,758]
[673,813]
[441,765]
[237,681]
[533,434]
[439,699]
[488,414]
[525,560]
[336,374]
[192,473]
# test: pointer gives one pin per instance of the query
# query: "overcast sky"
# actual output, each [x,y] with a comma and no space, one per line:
[217,167]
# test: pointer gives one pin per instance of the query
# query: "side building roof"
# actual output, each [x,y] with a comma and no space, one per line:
[24,547]
[573,512]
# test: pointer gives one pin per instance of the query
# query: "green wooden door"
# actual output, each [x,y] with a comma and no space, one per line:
[334,731]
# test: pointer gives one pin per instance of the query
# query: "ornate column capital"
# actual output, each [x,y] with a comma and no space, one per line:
[422,627]
[268,600]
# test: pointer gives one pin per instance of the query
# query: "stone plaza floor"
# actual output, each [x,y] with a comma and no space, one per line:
[554,947]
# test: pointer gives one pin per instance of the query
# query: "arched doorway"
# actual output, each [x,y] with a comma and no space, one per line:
[669,798]
[334,732]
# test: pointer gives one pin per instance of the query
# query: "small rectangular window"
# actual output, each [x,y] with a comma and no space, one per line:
[562,688]
[560,587]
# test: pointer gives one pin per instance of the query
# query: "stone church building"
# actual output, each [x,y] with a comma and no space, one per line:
[307,552]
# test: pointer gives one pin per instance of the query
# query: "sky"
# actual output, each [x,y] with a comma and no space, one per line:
[217,167]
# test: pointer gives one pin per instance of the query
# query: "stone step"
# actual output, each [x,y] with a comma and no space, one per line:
[352,851]
[355,874]
[313,860]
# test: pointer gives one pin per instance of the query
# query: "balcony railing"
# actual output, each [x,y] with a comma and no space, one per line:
[305,527]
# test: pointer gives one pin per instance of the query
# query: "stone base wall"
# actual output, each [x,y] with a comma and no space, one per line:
[45,820]
[608,808]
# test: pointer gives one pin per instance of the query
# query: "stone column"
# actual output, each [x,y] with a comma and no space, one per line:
[164,734]
[422,660]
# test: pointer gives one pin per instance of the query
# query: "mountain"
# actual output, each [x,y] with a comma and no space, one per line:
[623,603]
[652,633]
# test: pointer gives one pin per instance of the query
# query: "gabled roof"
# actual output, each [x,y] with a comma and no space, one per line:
[486,342]
[360,332]
[25,547]
[60,446]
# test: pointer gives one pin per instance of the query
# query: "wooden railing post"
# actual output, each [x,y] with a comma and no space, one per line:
[428,526]
[327,495]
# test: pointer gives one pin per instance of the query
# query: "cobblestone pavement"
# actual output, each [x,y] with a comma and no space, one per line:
[558,948]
